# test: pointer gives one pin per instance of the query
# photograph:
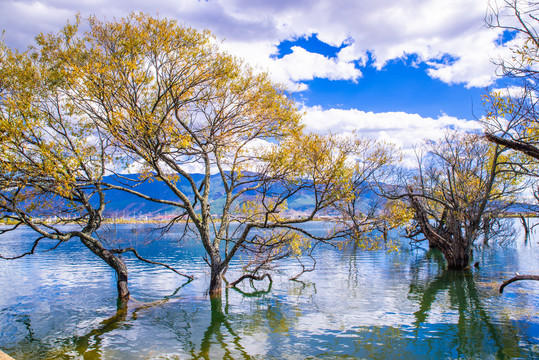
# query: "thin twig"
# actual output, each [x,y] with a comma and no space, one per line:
[304,270]
[121,251]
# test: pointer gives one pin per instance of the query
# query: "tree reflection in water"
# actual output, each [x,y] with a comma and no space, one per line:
[89,345]
[454,292]
[218,323]
[375,306]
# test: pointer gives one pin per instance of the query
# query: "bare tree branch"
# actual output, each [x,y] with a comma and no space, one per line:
[124,250]
[518,278]
[526,148]
[304,269]
[250,276]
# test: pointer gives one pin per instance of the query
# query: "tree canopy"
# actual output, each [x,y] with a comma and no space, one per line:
[512,118]
[150,96]
[460,187]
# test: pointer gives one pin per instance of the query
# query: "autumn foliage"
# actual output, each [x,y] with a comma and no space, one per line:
[147,95]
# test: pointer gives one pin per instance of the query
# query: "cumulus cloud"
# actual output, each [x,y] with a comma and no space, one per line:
[402,129]
[386,29]
[303,65]
[296,67]
[511,91]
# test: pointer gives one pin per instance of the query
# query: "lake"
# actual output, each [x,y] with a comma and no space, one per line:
[356,304]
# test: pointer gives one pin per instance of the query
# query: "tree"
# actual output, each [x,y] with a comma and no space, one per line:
[512,118]
[368,212]
[461,185]
[512,115]
[168,102]
[51,162]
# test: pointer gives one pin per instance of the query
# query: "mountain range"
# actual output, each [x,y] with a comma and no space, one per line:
[122,204]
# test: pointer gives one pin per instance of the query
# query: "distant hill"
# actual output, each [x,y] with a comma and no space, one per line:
[127,205]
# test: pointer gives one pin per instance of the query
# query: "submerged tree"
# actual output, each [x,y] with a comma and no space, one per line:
[167,103]
[462,184]
[512,120]
[51,162]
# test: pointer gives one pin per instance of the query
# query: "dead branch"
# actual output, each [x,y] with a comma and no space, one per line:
[527,149]
[31,252]
[304,270]
[517,278]
[250,276]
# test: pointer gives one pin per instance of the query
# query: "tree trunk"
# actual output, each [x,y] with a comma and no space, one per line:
[458,254]
[458,260]
[114,262]
[487,226]
[216,282]
[446,237]
[216,266]
[123,291]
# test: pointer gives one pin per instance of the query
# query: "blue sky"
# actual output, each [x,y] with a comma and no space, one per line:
[397,70]
[401,85]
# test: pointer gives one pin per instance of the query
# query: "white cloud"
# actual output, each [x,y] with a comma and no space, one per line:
[387,29]
[390,29]
[303,65]
[400,128]
[511,91]
[474,65]
[296,67]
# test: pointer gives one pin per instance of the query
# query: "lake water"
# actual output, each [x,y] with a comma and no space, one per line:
[373,305]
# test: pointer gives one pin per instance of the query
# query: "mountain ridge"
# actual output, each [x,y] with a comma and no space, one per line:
[123,204]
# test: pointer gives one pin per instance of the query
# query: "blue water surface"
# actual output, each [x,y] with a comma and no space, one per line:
[357,304]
